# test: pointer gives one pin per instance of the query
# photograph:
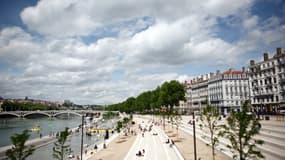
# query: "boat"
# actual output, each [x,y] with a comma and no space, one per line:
[97,131]
[35,129]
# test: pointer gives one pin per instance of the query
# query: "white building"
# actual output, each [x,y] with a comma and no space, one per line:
[267,80]
[198,92]
[228,90]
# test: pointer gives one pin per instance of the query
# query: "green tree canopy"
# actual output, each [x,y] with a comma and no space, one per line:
[19,151]
[168,94]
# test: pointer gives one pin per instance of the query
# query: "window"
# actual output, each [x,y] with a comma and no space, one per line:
[274,80]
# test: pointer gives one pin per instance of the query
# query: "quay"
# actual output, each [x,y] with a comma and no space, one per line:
[37,142]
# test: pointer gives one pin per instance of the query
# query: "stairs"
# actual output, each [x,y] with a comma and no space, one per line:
[273,135]
[271,132]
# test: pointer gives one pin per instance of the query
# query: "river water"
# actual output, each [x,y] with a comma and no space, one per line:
[9,127]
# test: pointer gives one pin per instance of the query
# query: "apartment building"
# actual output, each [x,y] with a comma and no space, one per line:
[228,90]
[267,80]
[199,92]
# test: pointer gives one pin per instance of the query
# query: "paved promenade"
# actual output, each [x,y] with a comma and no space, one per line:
[184,143]
[153,143]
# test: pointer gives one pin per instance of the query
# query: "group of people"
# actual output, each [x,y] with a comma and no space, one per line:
[170,142]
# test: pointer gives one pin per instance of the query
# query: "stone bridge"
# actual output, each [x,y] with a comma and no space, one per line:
[51,113]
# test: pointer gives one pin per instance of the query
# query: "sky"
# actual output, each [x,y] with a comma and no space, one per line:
[102,52]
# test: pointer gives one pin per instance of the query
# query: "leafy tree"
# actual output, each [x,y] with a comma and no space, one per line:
[119,126]
[209,119]
[19,151]
[240,129]
[61,149]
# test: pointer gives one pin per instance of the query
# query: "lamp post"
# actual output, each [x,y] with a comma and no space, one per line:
[194,137]
[82,135]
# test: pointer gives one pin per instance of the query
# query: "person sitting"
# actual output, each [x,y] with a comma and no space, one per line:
[139,153]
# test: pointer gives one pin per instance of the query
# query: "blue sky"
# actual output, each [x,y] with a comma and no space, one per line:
[102,52]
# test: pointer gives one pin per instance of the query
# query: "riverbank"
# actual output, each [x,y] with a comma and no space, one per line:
[37,143]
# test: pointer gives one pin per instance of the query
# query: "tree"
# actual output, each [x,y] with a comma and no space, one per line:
[240,129]
[119,126]
[209,119]
[60,149]
[19,151]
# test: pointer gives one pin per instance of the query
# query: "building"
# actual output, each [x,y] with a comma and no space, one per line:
[188,96]
[228,90]
[199,92]
[267,80]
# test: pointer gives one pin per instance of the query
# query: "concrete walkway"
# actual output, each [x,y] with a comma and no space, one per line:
[118,148]
[184,143]
[153,143]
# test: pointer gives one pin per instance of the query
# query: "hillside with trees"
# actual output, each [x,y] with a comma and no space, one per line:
[168,94]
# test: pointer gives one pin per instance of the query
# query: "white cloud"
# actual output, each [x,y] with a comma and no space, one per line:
[251,22]
[73,17]
[150,40]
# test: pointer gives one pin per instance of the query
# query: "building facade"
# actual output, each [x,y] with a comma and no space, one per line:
[199,92]
[228,90]
[267,83]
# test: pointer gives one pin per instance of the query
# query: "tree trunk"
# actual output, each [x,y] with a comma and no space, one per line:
[240,148]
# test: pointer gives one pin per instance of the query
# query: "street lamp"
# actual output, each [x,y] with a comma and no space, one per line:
[194,137]
[82,123]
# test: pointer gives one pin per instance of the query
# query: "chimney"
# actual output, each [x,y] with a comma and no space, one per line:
[243,69]
[230,69]
[211,74]
[265,56]
[218,72]
[279,51]
[251,62]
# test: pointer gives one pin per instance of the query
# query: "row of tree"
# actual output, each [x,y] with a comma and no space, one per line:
[14,106]
[168,94]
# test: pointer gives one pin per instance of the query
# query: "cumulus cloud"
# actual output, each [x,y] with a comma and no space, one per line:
[139,45]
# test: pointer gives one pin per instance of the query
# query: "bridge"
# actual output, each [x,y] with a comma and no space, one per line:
[50,113]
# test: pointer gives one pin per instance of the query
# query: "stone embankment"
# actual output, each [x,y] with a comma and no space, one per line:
[37,142]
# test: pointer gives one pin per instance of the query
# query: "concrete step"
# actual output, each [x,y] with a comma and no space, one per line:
[274,135]
[272,151]
[273,123]
[273,129]
[272,142]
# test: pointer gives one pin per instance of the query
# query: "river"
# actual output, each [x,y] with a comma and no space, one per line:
[11,126]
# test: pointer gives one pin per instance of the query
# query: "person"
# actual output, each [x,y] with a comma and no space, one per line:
[190,122]
[167,141]
[139,153]
[143,151]
[40,135]
[96,147]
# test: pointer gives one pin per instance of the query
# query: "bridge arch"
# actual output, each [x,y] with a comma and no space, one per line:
[31,113]
[10,113]
[66,112]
